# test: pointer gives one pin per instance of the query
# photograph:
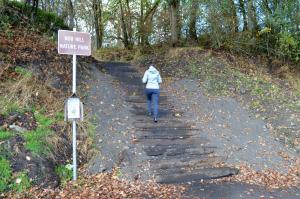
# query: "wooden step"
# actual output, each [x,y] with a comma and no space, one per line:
[196,175]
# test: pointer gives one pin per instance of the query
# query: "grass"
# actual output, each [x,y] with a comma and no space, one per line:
[5,174]
[7,106]
[21,182]
[117,173]
[4,135]
[222,81]
[36,141]
[60,116]
[23,72]
[43,121]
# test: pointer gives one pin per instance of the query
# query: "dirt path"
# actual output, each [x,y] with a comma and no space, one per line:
[240,136]
[174,150]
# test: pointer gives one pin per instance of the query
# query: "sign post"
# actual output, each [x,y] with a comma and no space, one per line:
[74,43]
[74,121]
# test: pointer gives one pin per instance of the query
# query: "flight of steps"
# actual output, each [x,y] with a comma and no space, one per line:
[176,151]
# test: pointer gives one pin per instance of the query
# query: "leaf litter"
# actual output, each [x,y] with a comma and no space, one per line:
[104,185]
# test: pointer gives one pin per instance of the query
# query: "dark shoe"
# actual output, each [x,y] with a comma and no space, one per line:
[155,119]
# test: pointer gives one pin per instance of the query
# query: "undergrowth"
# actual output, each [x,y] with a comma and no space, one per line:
[15,13]
[5,174]
[4,135]
[20,93]
[20,182]
[65,173]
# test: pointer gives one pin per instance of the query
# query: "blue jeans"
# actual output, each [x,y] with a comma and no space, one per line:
[152,97]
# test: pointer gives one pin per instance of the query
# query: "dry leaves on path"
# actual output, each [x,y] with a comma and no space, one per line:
[105,185]
[268,178]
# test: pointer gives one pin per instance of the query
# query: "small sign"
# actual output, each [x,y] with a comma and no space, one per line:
[74,43]
[73,109]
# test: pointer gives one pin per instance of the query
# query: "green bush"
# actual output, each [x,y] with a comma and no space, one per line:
[289,46]
[43,21]
[5,174]
[64,172]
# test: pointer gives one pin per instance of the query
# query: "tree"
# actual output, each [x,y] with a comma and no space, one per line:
[34,4]
[193,20]
[146,20]
[71,13]
[252,17]
[174,21]
[233,16]
[243,11]
[126,41]
[98,21]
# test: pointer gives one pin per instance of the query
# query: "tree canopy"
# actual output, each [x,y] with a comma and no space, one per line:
[244,26]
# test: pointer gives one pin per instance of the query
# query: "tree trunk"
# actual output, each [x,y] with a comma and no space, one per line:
[233,16]
[193,20]
[141,24]
[243,11]
[97,9]
[253,26]
[71,14]
[297,21]
[146,21]
[174,21]
[124,28]
[129,23]
[267,7]
[34,9]
[28,2]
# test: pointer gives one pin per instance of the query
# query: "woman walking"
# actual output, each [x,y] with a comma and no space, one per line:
[153,79]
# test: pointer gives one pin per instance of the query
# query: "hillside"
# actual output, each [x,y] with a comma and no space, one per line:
[35,80]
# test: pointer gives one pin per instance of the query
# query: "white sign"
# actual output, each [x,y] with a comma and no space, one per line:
[74,109]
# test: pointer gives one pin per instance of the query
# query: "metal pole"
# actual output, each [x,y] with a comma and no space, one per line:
[74,122]
[74,70]
[74,151]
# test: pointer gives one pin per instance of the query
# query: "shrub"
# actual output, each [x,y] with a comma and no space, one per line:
[64,172]
[289,46]
[43,21]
